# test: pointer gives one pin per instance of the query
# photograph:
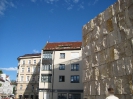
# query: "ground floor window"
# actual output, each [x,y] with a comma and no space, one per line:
[74,96]
[20,96]
[62,96]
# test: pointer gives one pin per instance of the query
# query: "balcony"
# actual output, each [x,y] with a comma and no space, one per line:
[47,61]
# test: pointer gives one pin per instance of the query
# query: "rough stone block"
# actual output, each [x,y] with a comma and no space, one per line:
[95,34]
[93,88]
[128,48]
[129,97]
[90,26]
[119,67]
[89,74]
[99,20]
[105,84]
[129,65]
[130,14]
[86,50]
[114,38]
[109,25]
[111,53]
[129,3]
[116,8]
[91,97]
[102,57]
[85,89]
[85,39]
[84,30]
[123,5]
[104,42]
[121,51]
[108,13]
[122,84]
[121,96]
[106,71]
[101,97]
[95,59]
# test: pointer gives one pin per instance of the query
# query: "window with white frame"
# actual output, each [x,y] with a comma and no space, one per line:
[46,78]
[22,70]
[75,79]
[46,67]
[74,55]
[23,62]
[21,78]
[29,61]
[47,55]
[28,69]
[21,87]
[28,78]
[74,67]
[61,66]
[62,55]
[34,61]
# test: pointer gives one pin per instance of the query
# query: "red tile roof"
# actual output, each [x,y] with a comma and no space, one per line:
[63,46]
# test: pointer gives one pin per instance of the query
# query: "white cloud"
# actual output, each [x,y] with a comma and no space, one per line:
[95,2]
[70,7]
[9,69]
[75,1]
[50,1]
[4,4]
[81,6]
[35,51]
[33,0]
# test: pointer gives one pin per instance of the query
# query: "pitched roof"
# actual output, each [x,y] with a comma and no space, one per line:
[30,55]
[63,46]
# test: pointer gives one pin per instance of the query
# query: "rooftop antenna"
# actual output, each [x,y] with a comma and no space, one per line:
[48,39]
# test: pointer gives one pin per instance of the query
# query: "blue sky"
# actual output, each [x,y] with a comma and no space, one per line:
[26,25]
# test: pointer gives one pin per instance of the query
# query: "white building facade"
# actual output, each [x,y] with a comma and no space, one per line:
[61,71]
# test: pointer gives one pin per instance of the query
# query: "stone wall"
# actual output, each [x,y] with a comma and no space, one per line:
[108,52]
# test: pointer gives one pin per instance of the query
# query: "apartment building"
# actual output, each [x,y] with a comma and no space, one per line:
[28,76]
[61,71]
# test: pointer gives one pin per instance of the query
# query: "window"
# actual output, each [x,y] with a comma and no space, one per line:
[34,69]
[75,79]
[22,70]
[74,55]
[62,96]
[32,87]
[61,66]
[21,87]
[47,55]
[74,96]
[29,61]
[28,69]
[33,78]
[74,67]
[38,78]
[46,67]
[21,78]
[28,78]
[62,55]
[34,61]
[61,78]
[23,62]
[46,78]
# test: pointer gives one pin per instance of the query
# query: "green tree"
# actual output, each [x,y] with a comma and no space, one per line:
[1,72]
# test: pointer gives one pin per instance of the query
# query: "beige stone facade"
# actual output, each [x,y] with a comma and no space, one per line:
[107,52]
[61,71]
[28,76]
